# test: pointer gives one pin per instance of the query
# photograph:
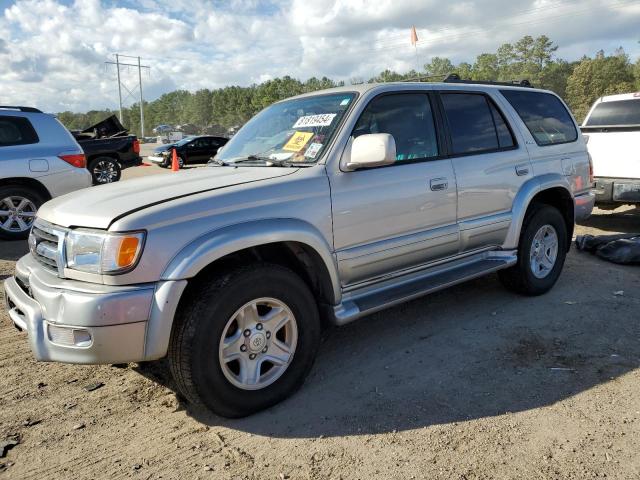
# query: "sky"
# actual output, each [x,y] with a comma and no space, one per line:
[52,52]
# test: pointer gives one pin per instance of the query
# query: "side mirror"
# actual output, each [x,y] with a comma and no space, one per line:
[368,151]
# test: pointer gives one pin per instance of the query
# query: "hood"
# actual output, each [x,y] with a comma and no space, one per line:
[109,127]
[98,207]
[164,148]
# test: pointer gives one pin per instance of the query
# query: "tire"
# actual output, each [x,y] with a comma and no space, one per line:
[206,320]
[181,162]
[522,277]
[104,170]
[18,206]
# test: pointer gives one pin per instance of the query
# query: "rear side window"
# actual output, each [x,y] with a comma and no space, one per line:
[16,131]
[618,113]
[408,118]
[475,124]
[544,115]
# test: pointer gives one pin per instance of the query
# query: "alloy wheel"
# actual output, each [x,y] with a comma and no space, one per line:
[16,214]
[258,343]
[544,251]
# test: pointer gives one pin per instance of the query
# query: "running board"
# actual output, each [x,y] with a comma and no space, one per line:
[387,293]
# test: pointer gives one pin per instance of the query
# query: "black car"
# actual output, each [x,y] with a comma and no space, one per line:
[190,150]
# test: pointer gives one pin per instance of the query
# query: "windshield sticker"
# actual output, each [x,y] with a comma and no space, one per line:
[297,141]
[323,120]
[313,150]
[345,102]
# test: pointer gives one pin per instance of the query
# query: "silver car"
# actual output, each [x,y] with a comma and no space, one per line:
[322,209]
[39,160]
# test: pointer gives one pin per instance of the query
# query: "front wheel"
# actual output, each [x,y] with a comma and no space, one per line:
[541,252]
[245,340]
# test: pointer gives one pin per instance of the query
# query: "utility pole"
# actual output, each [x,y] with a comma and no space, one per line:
[119,89]
[141,100]
[130,92]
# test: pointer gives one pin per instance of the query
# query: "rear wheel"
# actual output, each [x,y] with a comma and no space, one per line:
[18,207]
[104,170]
[541,252]
[245,340]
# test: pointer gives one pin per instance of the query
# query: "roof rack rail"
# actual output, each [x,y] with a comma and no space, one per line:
[455,78]
[21,109]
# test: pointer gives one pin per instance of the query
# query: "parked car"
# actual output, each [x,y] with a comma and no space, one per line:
[109,148]
[612,127]
[329,205]
[190,150]
[39,160]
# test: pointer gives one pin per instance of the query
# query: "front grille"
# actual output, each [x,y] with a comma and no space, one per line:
[46,244]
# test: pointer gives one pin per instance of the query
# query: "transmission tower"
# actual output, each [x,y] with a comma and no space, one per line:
[130,92]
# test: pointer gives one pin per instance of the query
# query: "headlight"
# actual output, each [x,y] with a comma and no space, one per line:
[96,251]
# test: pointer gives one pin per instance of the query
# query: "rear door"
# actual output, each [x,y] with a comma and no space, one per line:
[489,163]
[395,217]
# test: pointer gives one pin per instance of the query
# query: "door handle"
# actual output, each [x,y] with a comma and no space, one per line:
[438,184]
[522,170]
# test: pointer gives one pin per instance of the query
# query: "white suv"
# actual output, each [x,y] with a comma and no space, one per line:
[39,160]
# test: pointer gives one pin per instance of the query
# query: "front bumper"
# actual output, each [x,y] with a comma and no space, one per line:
[157,159]
[78,322]
[583,205]
[617,190]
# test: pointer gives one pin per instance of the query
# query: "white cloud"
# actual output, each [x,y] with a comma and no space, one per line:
[53,51]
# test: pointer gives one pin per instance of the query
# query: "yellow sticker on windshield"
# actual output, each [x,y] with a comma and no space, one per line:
[297,141]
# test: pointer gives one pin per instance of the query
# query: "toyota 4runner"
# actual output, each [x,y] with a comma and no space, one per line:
[324,207]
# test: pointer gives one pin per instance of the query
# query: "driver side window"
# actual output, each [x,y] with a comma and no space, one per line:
[408,118]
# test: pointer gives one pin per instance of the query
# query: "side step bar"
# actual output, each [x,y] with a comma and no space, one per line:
[387,293]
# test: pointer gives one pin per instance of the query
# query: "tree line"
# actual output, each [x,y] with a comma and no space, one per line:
[579,83]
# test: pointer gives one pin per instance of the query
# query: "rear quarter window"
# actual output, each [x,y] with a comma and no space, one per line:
[16,131]
[545,116]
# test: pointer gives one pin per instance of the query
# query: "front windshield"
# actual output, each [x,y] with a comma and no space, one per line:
[293,131]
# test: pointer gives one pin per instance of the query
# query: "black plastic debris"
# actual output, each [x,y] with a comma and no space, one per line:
[623,249]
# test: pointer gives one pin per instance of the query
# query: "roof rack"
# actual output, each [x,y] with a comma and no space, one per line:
[455,78]
[21,109]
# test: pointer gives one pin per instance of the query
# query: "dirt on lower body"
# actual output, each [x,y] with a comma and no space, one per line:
[469,383]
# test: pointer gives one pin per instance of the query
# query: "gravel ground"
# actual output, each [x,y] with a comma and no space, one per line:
[469,383]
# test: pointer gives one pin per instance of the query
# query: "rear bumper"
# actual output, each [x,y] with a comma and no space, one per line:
[617,190]
[583,205]
[75,322]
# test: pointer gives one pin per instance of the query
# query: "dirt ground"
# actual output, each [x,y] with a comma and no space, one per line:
[469,383]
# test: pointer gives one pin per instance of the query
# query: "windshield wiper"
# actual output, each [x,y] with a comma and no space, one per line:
[268,161]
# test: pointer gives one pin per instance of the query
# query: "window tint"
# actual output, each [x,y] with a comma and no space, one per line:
[544,115]
[621,112]
[471,123]
[408,118]
[16,131]
[505,138]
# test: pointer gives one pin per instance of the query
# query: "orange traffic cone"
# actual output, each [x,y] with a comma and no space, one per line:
[175,166]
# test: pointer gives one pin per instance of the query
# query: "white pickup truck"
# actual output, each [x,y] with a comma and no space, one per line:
[613,131]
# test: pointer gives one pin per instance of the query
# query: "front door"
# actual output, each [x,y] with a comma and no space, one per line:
[391,218]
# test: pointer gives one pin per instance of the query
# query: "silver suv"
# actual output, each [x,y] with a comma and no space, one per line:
[39,160]
[322,209]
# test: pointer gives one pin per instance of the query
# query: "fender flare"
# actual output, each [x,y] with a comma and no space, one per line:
[221,242]
[523,199]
